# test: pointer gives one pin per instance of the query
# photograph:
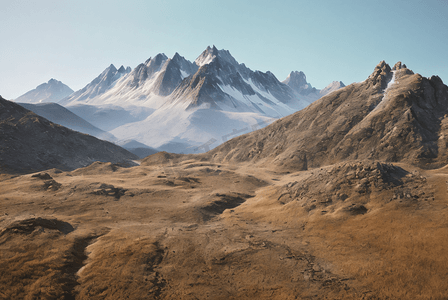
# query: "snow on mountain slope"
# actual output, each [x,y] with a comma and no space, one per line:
[192,128]
[226,85]
[52,91]
[174,103]
[108,117]
[146,85]
[97,87]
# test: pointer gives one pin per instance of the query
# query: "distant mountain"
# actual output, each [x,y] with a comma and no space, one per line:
[60,115]
[139,149]
[187,104]
[109,117]
[152,80]
[224,84]
[52,91]
[394,115]
[334,86]
[30,143]
[98,86]
[297,81]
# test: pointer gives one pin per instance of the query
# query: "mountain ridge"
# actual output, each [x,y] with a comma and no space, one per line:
[60,115]
[30,143]
[373,119]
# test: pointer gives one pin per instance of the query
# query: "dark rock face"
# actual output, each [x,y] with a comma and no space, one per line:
[30,143]
[405,121]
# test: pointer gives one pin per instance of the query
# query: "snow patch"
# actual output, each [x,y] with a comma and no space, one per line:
[183,74]
[201,61]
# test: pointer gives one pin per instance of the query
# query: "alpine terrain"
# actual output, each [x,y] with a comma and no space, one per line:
[345,199]
[181,106]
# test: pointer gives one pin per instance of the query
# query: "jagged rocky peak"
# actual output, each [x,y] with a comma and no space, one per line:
[206,56]
[111,68]
[124,70]
[381,75]
[185,65]
[155,64]
[399,66]
[296,78]
[211,53]
[401,69]
[138,75]
[178,58]
[297,81]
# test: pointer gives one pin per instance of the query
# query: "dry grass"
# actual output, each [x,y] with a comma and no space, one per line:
[154,242]
[393,254]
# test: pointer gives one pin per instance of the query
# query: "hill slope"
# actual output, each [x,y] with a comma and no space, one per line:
[394,115]
[29,143]
[62,116]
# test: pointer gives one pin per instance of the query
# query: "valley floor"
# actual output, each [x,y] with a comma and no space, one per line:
[198,230]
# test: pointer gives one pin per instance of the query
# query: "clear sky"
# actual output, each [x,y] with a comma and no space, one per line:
[75,40]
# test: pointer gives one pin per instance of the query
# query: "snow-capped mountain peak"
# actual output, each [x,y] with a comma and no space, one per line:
[121,69]
[156,63]
[52,91]
[207,56]
[212,53]
[98,86]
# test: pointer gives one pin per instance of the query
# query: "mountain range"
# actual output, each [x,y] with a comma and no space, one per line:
[181,106]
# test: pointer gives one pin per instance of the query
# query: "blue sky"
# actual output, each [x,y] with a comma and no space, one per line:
[74,41]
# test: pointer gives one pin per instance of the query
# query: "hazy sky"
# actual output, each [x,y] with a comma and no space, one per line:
[74,41]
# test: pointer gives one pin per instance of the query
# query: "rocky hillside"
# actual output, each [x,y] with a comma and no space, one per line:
[29,143]
[392,116]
